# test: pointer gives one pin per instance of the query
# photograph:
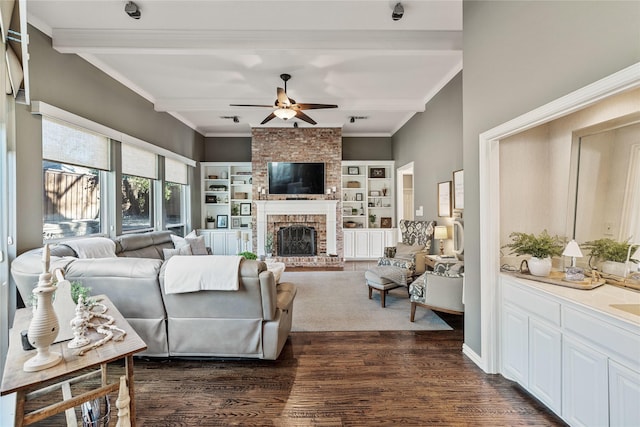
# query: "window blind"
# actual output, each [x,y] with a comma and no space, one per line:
[175,171]
[64,143]
[138,162]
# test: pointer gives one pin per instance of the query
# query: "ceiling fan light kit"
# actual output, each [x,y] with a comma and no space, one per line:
[287,108]
[284,113]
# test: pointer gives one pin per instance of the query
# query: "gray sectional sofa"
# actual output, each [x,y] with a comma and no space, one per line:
[251,322]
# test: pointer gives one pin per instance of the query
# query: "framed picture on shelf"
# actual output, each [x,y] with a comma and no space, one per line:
[245,208]
[377,173]
[358,197]
[221,221]
[374,193]
[353,170]
[458,189]
[235,223]
[385,222]
[444,198]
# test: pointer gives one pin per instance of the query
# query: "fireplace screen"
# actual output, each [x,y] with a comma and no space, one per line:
[297,240]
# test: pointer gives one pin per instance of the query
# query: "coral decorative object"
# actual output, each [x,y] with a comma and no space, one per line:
[79,325]
[43,328]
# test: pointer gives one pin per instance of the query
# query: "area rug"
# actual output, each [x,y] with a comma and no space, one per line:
[338,301]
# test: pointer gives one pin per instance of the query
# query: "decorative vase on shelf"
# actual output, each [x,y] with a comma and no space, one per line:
[539,266]
[43,328]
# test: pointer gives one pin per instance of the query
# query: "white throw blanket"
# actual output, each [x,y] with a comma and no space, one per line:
[93,247]
[201,273]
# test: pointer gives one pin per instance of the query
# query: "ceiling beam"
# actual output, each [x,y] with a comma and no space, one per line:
[213,104]
[183,42]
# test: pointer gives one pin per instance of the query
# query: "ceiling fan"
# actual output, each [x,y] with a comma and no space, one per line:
[287,108]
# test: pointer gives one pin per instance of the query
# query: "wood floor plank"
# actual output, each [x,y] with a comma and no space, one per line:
[387,378]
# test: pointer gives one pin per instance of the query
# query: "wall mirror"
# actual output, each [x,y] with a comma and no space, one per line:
[606,181]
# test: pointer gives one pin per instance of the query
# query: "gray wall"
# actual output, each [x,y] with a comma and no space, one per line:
[432,140]
[74,85]
[366,148]
[517,57]
[230,149]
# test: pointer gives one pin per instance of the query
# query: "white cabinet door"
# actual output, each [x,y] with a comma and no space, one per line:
[515,345]
[361,244]
[376,243]
[218,243]
[624,395]
[349,244]
[585,399]
[545,359]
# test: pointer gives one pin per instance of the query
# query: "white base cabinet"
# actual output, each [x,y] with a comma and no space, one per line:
[368,243]
[580,362]
[226,242]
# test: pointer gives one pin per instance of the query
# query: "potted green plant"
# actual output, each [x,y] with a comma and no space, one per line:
[248,255]
[372,220]
[541,248]
[611,253]
[211,222]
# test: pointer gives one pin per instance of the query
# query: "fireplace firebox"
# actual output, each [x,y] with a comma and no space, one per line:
[297,240]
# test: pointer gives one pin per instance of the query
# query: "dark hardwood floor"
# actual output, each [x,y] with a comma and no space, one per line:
[390,378]
[334,379]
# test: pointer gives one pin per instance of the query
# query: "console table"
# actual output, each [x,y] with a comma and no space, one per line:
[29,385]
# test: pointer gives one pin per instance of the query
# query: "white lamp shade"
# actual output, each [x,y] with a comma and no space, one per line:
[440,232]
[572,250]
[284,113]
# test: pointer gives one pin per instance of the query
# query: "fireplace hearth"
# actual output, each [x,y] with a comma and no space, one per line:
[296,240]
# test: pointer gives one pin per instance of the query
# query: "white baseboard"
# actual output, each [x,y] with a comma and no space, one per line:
[475,358]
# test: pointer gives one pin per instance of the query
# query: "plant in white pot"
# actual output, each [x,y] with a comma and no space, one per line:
[541,248]
[612,253]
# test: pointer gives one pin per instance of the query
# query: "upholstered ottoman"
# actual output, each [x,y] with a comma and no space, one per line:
[383,279]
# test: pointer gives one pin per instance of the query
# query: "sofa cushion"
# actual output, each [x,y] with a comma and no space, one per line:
[143,245]
[93,247]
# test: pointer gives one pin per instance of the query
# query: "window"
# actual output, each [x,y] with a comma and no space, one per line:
[175,196]
[139,172]
[74,161]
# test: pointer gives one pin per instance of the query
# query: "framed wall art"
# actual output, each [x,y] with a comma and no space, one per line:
[358,197]
[458,189]
[377,173]
[222,221]
[385,222]
[245,208]
[353,170]
[235,223]
[444,198]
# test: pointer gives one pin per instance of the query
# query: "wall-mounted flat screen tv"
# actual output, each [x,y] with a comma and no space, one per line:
[295,178]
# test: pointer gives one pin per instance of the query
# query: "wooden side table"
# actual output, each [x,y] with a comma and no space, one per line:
[29,385]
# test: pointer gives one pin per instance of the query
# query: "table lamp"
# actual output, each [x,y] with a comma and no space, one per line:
[573,250]
[635,256]
[441,233]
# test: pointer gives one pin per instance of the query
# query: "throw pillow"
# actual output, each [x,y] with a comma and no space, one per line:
[198,247]
[406,249]
[183,250]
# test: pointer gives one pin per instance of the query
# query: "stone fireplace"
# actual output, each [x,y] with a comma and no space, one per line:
[320,211]
[272,215]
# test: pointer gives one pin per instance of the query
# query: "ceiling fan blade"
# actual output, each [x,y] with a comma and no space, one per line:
[283,99]
[250,105]
[303,116]
[315,106]
[269,117]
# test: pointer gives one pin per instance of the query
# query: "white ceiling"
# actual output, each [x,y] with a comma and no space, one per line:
[192,59]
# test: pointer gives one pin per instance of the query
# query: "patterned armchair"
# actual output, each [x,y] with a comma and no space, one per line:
[410,253]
